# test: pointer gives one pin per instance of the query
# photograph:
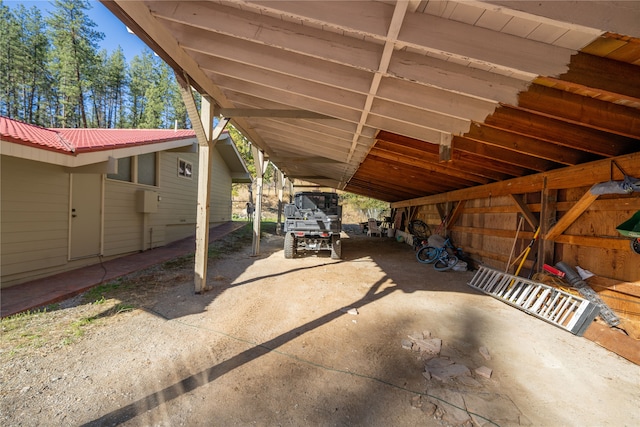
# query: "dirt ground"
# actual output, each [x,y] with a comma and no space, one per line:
[306,341]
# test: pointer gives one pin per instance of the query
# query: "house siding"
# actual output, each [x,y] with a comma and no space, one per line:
[34,214]
[177,209]
[122,224]
[220,191]
[34,217]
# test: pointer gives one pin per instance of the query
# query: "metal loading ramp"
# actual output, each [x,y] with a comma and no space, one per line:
[562,309]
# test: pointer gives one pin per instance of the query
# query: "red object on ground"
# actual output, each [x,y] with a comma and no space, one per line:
[552,270]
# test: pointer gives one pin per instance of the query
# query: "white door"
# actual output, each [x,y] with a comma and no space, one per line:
[86,205]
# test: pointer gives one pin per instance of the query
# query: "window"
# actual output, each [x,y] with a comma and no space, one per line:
[147,169]
[185,169]
[124,170]
[140,169]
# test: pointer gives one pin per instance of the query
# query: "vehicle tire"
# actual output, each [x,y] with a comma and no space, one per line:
[336,247]
[427,254]
[446,262]
[289,245]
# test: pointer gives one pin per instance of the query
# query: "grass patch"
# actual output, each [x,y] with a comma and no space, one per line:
[232,242]
[43,330]
[98,294]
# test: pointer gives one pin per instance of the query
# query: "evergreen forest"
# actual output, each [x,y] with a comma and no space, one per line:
[53,74]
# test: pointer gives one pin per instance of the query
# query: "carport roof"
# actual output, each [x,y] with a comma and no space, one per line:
[399,100]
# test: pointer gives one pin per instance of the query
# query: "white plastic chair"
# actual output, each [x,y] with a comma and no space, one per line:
[372,228]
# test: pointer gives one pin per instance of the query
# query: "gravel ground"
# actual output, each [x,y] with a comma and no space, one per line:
[306,341]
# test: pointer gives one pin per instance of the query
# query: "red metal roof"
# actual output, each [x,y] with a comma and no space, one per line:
[102,139]
[74,141]
[22,133]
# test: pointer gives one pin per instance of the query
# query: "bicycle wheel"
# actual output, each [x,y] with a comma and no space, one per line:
[427,254]
[445,262]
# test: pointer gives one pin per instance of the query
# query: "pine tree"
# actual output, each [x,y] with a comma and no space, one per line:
[10,55]
[155,112]
[140,76]
[117,86]
[75,43]
[36,78]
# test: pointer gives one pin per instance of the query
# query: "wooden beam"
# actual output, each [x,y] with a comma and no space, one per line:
[500,158]
[205,160]
[523,208]
[571,215]
[571,177]
[261,165]
[408,176]
[603,75]
[271,113]
[494,232]
[457,211]
[184,84]
[589,112]
[377,191]
[280,184]
[614,341]
[548,215]
[609,243]
[407,165]
[559,131]
[315,159]
[429,161]
[525,144]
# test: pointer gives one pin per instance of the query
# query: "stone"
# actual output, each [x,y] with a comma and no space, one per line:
[432,345]
[350,310]
[439,362]
[469,382]
[484,351]
[406,344]
[428,408]
[416,401]
[484,371]
[447,373]
[414,336]
[450,406]
[496,409]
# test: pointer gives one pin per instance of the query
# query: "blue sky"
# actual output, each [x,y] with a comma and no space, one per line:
[115,32]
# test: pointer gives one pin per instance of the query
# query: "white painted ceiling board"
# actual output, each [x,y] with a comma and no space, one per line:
[520,27]
[467,13]
[452,62]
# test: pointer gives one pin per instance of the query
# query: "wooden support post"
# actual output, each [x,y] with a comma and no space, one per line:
[445,147]
[203,206]
[207,137]
[280,178]
[261,166]
[548,212]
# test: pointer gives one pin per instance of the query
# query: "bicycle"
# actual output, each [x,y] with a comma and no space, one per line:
[420,232]
[441,258]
